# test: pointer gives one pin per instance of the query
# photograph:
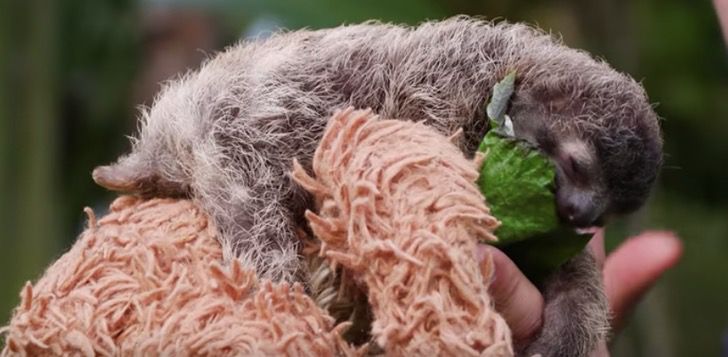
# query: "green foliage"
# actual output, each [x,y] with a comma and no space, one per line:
[66,71]
[496,108]
[517,181]
[327,13]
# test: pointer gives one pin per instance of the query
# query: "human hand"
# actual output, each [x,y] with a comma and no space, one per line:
[629,272]
[721,8]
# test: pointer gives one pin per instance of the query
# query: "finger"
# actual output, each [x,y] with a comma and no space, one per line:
[635,266]
[721,7]
[516,298]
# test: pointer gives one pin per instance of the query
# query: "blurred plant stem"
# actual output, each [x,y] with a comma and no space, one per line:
[30,209]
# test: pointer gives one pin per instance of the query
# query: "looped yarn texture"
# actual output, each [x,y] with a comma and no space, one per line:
[147,280]
[399,207]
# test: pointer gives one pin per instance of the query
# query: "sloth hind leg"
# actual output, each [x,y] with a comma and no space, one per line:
[259,225]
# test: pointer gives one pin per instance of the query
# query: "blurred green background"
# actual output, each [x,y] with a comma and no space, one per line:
[73,72]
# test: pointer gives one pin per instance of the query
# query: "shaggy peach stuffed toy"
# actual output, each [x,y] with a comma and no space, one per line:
[398,218]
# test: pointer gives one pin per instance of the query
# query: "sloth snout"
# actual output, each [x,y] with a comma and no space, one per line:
[579,210]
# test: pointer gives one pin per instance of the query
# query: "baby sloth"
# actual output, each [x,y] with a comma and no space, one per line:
[226,135]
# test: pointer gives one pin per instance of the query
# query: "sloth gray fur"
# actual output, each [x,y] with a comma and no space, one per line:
[227,133]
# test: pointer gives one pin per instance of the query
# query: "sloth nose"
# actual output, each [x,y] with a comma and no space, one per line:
[578,210]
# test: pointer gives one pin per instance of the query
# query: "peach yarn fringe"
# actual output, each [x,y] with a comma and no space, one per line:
[398,210]
[146,280]
[398,206]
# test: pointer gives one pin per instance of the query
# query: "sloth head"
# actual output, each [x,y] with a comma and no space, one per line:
[603,137]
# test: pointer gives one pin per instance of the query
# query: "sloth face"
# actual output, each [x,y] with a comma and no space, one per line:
[582,199]
[601,170]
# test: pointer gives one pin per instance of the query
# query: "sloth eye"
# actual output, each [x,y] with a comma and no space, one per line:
[575,167]
[574,161]
[572,168]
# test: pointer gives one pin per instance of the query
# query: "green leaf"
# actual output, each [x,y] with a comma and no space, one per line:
[498,105]
[517,181]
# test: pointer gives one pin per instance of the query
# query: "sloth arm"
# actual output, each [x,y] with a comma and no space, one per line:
[629,271]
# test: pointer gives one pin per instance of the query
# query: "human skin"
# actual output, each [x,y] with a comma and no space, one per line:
[721,7]
[629,271]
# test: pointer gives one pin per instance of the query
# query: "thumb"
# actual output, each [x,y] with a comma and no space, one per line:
[516,298]
[635,266]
